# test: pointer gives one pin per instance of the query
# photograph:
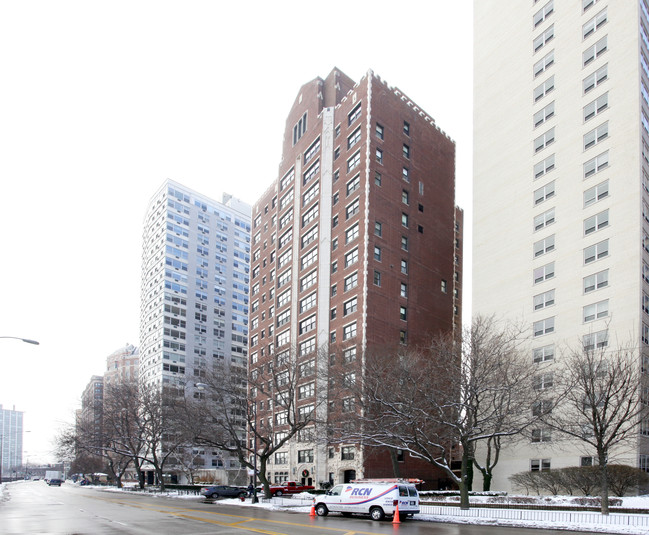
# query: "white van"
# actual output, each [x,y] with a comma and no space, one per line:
[377,498]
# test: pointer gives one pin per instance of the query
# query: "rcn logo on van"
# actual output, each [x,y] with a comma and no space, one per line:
[359,491]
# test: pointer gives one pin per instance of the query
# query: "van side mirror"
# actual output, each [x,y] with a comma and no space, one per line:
[328,493]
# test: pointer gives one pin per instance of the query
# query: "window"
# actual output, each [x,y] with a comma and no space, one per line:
[379,131]
[538,465]
[544,246]
[352,209]
[379,155]
[305,304]
[542,435]
[353,184]
[544,193]
[351,257]
[544,219]
[594,51]
[350,306]
[405,174]
[406,128]
[595,222]
[309,258]
[596,281]
[543,381]
[543,13]
[404,266]
[377,178]
[596,135]
[403,290]
[596,164]
[544,140]
[377,253]
[347,453]
[596,193]
[587,4]
[544,114]
[284,278]
[545,326]
[307,347]
[311,194]
[544,300]
[593,80]
[304,413]
[403,313]
[596,106]
[306,391]
[311,173]
[349,355]
[543,39]
[334,221]
[284,317]
[351,233]
[444,286]
[377,278]
[543,64]
[311,152]
[378,229]
[541,407]
[335,198]
[283,298]
[354,114]
[310,215]
[299,129]
[354,161]
[310,236]
[404,220]
[543,167]
[354,138]
[595,252]
[351,281]
[349,331]
[309,280]
[404,243]
[281,457]
[543,354]
[543,89]
[403,337]
[597,340]
[595,311]
[286,219]
[406,151]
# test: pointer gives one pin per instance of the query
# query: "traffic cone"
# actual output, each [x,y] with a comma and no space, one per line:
[312,512]
[395,518]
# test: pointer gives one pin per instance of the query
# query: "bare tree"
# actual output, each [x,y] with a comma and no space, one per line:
[602,407]
[254,417]
[453,394]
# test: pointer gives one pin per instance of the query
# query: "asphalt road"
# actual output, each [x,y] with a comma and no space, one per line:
[31,507]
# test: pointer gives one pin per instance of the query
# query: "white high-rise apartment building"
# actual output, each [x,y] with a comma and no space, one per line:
[561,175]
[195,282]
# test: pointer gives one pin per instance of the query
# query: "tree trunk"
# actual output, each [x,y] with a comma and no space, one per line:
[395,463]
[486,481]
[464,489]
[603,474]
[161,481]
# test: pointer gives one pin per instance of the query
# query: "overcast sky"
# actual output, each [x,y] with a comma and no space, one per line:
[100,102]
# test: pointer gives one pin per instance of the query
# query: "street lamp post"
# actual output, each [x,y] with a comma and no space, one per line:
[26,340]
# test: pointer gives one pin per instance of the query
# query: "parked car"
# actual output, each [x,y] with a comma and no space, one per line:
[55,482]
[223,491]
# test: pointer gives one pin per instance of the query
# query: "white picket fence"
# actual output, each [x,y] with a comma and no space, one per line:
[573,517]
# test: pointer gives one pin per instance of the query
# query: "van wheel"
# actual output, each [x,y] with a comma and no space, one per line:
[377,513]
[321,509]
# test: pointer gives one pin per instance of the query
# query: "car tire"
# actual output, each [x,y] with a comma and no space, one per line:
[278,493]
[321,510]
[377,513]
[214,496]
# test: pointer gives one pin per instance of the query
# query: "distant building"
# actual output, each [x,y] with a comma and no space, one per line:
[356,247]
[92,409]
[561,193]
[11,442]
[122,365]
[194,296]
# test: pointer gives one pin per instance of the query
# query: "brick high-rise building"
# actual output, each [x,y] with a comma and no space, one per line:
[356,247]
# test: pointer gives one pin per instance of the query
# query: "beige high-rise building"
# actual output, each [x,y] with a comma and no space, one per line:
[561,181]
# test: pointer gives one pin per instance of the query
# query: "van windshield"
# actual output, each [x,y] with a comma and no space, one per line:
[403,491]
[336,490]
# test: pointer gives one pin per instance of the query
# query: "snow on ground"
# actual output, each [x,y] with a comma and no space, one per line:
[302,505]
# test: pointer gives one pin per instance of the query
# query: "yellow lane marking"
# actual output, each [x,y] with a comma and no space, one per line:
[183,513]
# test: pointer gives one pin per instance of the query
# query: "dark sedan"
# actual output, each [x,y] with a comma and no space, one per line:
[223,491]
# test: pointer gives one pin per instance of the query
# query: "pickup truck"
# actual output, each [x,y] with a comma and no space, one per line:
[289,487]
